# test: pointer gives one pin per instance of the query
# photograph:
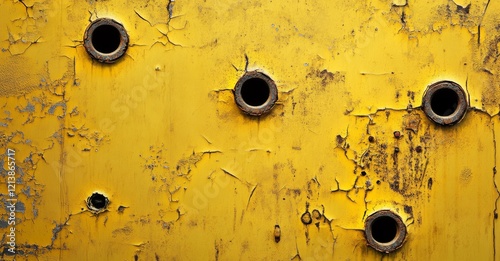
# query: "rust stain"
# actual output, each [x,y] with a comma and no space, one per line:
[411,122]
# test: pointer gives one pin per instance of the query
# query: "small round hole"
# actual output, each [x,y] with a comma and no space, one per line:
[255,92]
[106,38]
[444,102]
[97,202]
[384,229]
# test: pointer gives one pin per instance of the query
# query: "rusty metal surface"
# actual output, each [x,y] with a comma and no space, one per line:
[186,175]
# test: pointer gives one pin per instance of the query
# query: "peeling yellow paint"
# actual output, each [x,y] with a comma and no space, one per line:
[190,177]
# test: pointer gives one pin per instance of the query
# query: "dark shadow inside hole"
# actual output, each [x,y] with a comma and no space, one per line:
[444,102]
[384,229]
[106,38]
[255,92]
[98,201]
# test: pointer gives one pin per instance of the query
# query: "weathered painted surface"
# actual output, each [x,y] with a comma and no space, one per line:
[189,176]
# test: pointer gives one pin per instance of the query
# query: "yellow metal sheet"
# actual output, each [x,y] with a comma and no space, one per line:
[189,176]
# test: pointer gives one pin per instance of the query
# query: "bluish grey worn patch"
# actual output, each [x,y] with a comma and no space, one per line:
[56,231]
[27,191]
[4,223]
[35,210]
[3,172]
[3,124]
[52,108]
[40,101]
[28,141]
[29,108]
[19,172]
[57,136]
[20,207]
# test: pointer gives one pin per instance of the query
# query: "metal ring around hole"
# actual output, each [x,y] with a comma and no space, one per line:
[394,244]
[459,112]
[105,57]
[267,105]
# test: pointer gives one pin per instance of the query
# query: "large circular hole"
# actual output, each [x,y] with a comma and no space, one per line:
[255,91]
[384,229]
[97,202]
[444,102]
[106,38]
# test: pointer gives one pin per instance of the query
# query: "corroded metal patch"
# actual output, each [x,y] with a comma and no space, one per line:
[255,93]
[106,40]
[445,103]
[385,231]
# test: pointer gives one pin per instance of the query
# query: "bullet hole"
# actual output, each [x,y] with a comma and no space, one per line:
[445,102]
[277,233]
[385,231]
[316,214]
[396,150]
[378,182]
[255,93]
[363,173]
[371,139]
[97,202]
[418,149]
[306,218]
[106,40]
[397,134]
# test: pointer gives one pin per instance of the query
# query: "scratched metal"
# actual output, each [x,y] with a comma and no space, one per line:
[188,176]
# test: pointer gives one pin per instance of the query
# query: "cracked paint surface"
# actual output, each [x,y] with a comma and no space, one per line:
[189,176]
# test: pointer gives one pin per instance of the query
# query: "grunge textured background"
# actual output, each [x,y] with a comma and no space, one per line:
[187,176]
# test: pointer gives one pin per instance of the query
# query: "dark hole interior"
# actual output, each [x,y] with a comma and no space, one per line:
[384,229]
[106,38]
[444,102]
[255,91]
[98,201]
